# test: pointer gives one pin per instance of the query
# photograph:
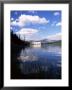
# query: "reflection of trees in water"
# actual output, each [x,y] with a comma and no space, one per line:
[30,61]
[33,67]
[38,68]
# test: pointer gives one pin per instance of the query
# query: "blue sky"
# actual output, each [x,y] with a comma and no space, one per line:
[35,24]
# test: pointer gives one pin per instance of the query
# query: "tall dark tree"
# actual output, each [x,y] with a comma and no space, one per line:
[16,40]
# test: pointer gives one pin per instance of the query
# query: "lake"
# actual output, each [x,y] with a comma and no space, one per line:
[36,62]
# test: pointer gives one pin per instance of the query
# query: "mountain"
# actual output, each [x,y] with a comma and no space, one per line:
[52,38]
[55,37]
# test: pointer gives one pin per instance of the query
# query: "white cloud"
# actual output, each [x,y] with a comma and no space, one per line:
[33,19]
[12,19]
[56,13]
[58,24]
[17,23]
[23,19]
[14,23]
[56,36]
[25,32]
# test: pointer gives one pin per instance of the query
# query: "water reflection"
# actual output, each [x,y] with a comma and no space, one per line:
[45,59]
[25,56]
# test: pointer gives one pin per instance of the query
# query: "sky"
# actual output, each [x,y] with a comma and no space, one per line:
[36,25]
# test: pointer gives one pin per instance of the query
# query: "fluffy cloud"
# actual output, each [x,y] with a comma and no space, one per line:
[56,13]
[57,36]
[58,24]
[12,19]
[23,19]
[25,32]
[33,19]
[17,23]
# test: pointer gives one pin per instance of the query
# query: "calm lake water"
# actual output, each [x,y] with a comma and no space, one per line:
[36,62]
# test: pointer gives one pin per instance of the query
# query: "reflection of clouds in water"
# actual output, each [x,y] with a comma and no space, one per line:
[36,60]
[25,55]
[27,58]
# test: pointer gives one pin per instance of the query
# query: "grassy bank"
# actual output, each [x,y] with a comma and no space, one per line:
[55,43]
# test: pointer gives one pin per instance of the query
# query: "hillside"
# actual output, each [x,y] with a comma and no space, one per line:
[55,42]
